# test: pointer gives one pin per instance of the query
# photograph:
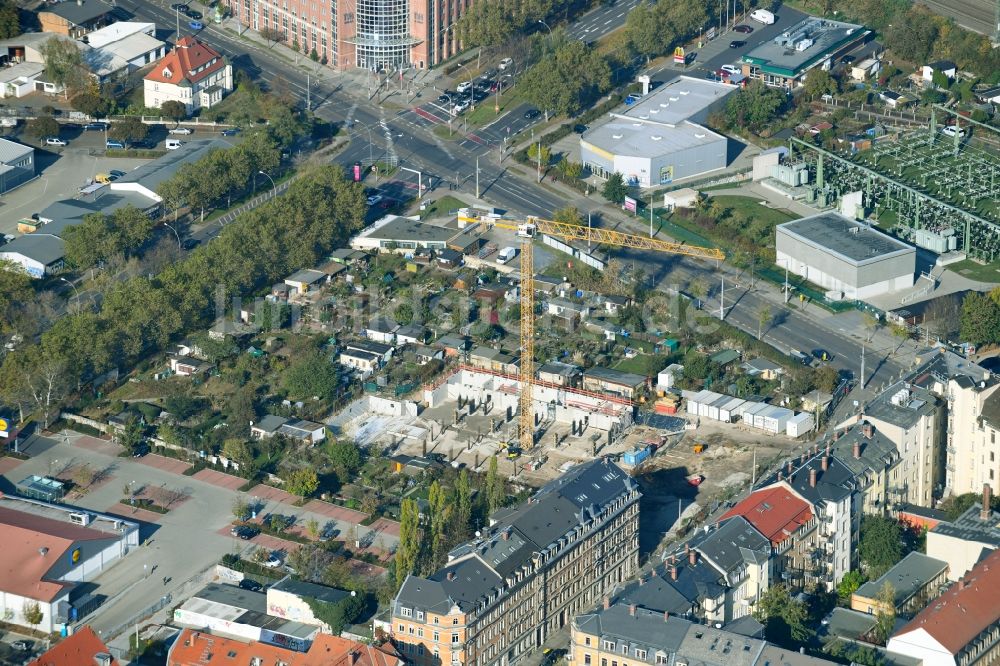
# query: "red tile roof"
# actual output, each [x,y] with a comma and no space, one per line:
[188,55]
[776,512]
[196,648]
[969,606]
[76,650]
[25,537]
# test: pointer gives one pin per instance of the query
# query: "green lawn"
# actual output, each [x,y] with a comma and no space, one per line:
[752,207]
[486,110]
[442,207]
[976,271]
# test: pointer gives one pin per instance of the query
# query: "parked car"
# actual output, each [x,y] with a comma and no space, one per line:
[505,63]
[460,107]
[329,532]
[192,14]
[196,25]
[273,562]
[737,44]
[116,173]
[579,129]
[531,114]
[246,532]
[745,29]
[252,585]
[443,99]
[951,130]
[730,69]
[23,646]
[144,143]
[182,130]
[488,75]
[847,59]
[232,131]
[180,7]
[464,87]
[114,143]
[99,126]
[374,199]
[54,141]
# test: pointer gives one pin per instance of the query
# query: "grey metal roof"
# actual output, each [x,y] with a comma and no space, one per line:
[762,365]
[70,212]
[781,55]
[559,368]
[11,151]
[970,526]
[254,607]
[938,363]
[615,376]
[151,174]
[746,626]
[382,325]
[370,346]
[876,452]
[80,12]
[403,230]
[907,577]
[412,331]
[306,275]
[44,248]
[902,404]
[853,241]
[271,423]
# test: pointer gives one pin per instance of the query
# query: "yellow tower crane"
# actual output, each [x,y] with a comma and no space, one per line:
[527,230]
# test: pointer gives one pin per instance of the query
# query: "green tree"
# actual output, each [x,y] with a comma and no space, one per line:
[31,611]
[615,190]
[64,64]
[880,546]
[302,482]
[272,316]
[568,215]
[312,527]
[340,615]
[346,458]
[568,81]
[682,20]
[763,320]
[569,168]
[645,31]
[980,319]
[91,102]
[912,35]
[819,83]
[885,618]
[536,149]
[440,516]
[409,540]
[10,19]
[129,130]
[16,290]
[173,110]
[42,126]
[403,313]
[241,508]
[239,451]
[496,488]
[131,435]
[784,618]
[463,504]
[485,24]
[755,106]
[311,375]
[849,584]
[826,378]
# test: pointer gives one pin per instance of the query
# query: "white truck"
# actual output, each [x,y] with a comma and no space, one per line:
[762,16]
[506,255]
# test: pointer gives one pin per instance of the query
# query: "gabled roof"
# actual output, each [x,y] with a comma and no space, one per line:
[11,151]
[775,512]
[968,608]
[906,577]
[46,249]
[181,66]
[612,376]
[942,65]
[734,544]
[197,648]
[382,325]
[79,648]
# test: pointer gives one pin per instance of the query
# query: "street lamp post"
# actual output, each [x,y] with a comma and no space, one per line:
[274,188]
[169,226]
[546,26]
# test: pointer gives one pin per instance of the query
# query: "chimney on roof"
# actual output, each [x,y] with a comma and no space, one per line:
[673,573]
[666,616]
[867,429]
[812,478]
[962,584]
[802,459]
[693,557]
[631,610]
[642,579]
[687,548]
[354,656]
[102,659]
[984,514]
[789,466]
[828,449]
[451,575]
[607,603]
[779,475]
[506,535]
[857,450]
[825,463]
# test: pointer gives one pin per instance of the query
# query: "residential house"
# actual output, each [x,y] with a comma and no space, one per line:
[184,365]
[453,345]
[913,419]
[411,465]
[764,368]
[635,635]
[989,95]
[608,329]
[572,311]
[298,429]
[667,378]
[789,522]
[966,540]
[194,74]
[348,256]
[945,67]
[491,294]
[534,568]
[192,645]
[607,380]
[306,281]
[380,349]
[424,354]
[449,259]
[724,357]
[560,374]
[229,328]
[815,401]
[894,100]
[382,329]
[411,334]
[75,19]
[550,286]
[17,164]
[363,362]
[961,627]
[494,360]
[914,581]
[83,646]
[614,304]
[280,292]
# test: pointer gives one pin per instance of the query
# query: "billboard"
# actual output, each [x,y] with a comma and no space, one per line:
[629,204]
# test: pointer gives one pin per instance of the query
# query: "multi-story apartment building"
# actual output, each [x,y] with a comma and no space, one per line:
[718,578]
[915,420]
[535,568]
[972,453]
[369,34]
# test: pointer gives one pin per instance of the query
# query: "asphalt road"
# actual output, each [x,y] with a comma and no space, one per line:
[599,22]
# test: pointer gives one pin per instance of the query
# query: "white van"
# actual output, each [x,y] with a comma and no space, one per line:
[762,16]
[174,144]
[506,255]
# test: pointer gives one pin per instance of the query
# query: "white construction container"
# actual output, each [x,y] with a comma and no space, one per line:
[800,424]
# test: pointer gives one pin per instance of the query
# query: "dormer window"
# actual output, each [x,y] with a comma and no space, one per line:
[167,73]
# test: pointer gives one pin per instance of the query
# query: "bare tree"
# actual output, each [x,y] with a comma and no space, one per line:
[942,316]
[84,476]
[170,496]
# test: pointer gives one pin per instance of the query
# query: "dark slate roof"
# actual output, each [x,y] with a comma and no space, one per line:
[907,577]
[330,595]
[613,376]
[970,526]
[902,404]
[44,248]
[990,412]
[942,65]
[657,594]
[734,543]
[559,368]
[833,485]
[515,534]
[876,451]
[746,626]
[80,13]
[382,325]
[370,346]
